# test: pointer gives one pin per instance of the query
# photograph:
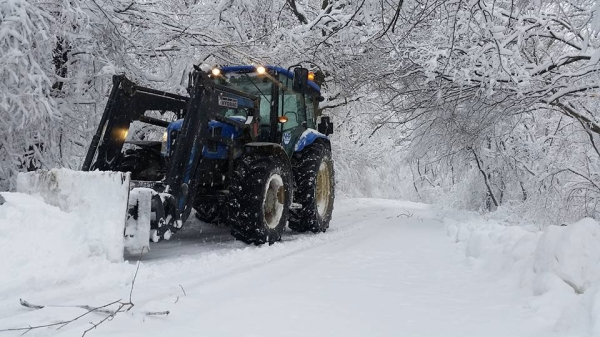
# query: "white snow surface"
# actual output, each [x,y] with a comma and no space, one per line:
[384,268]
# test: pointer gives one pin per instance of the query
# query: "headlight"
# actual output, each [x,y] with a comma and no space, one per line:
[120,134]
[163,145]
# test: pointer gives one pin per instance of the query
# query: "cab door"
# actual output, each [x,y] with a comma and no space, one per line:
[292,106]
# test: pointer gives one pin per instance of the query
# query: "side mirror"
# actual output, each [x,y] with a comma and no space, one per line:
[300,82]
[325,127]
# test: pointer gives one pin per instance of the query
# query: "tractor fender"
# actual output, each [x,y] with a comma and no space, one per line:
[308,137]
[267,148]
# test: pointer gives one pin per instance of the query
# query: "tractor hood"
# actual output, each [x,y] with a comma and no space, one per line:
[218,151]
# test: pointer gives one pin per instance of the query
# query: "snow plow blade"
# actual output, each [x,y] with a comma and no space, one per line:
[100,200]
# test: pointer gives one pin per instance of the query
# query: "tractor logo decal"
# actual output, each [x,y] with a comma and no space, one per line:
[287,137]
[228,102]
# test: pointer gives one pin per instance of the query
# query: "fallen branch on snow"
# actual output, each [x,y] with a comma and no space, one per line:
[407,214]
[110,313]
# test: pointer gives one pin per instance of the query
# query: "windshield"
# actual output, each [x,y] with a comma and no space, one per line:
[254,85]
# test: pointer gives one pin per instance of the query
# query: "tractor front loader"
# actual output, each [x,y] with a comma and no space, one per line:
[243,150]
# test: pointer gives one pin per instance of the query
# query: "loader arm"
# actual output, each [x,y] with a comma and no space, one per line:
[206,100]
[127,103]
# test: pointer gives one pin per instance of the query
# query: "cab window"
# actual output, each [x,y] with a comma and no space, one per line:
[292,107]
[243,112]
[291,104]
[252,84]
[265,110]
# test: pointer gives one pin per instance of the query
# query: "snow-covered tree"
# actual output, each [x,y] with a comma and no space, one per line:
[483,103]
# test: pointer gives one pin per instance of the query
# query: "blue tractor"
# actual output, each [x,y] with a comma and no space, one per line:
[247,149]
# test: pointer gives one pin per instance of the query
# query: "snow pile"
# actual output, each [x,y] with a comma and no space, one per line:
[559,266]
[71,231]
[43,247]
[96,201]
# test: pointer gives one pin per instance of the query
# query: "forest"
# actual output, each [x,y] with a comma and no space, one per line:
[484,105]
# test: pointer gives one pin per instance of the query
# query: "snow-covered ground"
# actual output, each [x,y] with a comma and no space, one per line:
[385,268]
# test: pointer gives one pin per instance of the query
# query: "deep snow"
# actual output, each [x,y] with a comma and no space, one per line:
[96,202]
[385,268]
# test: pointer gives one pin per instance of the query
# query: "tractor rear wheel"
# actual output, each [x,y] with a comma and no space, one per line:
[260,198]
[314,179]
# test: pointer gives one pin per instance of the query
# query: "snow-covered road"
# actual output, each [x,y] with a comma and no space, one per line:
[385,268]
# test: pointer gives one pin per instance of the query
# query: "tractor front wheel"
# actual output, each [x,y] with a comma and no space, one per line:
[260,198]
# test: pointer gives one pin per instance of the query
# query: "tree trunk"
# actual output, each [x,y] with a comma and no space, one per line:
[485,179]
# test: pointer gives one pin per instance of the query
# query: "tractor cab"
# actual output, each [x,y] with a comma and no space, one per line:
[288,100]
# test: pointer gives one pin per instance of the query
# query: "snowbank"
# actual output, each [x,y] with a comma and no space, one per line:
[43,247]
[559,266]
[96,201]
[72,231]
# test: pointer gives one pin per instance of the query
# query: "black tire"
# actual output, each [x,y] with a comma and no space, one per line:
[259,176]
[316,210]
[208,213]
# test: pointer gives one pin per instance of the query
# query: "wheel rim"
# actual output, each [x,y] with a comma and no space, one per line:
[323,189]
[274,200]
